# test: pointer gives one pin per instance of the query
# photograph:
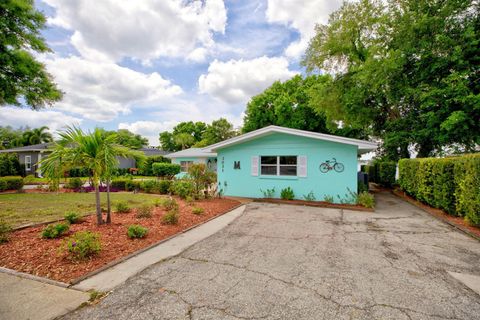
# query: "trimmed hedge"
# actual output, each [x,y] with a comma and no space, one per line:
[451,184]
[381,172]
[11,183]
[145,168]
[9,165]
[161,169]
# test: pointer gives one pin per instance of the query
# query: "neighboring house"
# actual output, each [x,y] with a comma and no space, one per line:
[193,155]
[276,158]
[30,156]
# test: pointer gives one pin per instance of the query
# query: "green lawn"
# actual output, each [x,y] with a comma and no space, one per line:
[21,208]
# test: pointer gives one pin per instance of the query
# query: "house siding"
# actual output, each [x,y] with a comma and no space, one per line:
[194,159]
[241,182]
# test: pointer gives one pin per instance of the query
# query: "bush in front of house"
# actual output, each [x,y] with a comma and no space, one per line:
[197,210]
[82,244]
[72,217]
[287,194]
[164,186]
[366,199]
[9,165]
[145,168]
[170,204]
[310,196]
[203,179]
[150,186]
[3,185]
[12,183]
[53,231]
[136,231]
[171,217]
[5,230]
[78,172]
[451,184]
[74,183]
[162,169]
[122,207]
[119,183]
[183,188]
[144,211]
[132,185]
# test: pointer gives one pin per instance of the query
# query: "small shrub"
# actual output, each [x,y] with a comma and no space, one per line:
[171,217]
[366,199]
[310,196]
[136,231]
[164,186]
[269,193]
[13,183]
[183,188]
[149,186]
[3,185]
[122,207]
[350,197]
[158,203]
[82,245]
[131,185]
[144,211]
[328,198]
[287,194]
[170,204]
[74,183]
[189,200]
[5,230]
[53,231]
[197,210]
[72,217]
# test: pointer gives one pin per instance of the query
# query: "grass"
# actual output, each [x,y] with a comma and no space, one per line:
[22,208]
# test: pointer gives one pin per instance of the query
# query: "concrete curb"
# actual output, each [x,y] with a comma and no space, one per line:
[136,253]
[317,204]
[35,278]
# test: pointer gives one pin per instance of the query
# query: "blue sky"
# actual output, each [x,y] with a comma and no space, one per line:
[146,65]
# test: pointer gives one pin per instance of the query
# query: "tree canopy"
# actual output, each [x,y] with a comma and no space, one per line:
[23,80]
[11,138]
[129,139]
[406,71]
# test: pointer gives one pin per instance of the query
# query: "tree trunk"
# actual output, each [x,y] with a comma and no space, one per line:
[109,210]
[99,209]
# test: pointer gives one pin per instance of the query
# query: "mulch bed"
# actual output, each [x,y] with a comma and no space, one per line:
[321,204]
[28,252]
[458,222]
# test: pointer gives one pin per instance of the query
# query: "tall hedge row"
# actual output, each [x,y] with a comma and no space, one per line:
[451,184]
[381,172]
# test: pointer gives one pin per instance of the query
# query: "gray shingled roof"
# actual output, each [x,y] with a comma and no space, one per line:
[33,147]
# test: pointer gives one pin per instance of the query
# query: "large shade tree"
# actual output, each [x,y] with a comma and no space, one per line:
[96,151]
[23,79]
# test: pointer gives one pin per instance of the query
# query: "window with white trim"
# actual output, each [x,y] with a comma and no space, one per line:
[28,163]
[184,165]
[278,165]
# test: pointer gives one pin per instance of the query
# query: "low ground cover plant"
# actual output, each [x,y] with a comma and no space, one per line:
[310,196]
[328,198]
[197,210]
[268,193]
[5,230]
[183,188]
[53,231]
[366,199]
[287,194]
[171,217]
[81,245]
[122,207]
[72,217]
[136,231]
[144,211]
[170,204]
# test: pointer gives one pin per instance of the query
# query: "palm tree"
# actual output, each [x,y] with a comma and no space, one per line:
[95,151]
[184,140]
[36,136]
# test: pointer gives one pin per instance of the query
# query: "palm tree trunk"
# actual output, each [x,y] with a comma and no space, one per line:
[99,209]
[109,218]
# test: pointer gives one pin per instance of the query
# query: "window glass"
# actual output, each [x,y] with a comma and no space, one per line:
[288,170]
[269,160]
[184,165]
[288,160]
[278,165]
[269,170]
[28,162]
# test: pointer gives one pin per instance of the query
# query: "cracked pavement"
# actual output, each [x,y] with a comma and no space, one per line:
[294,262]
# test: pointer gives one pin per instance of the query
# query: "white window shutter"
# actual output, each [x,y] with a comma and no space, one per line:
[254,166]
[302,166]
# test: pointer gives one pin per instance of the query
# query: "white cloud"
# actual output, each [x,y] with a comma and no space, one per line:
[16,117]
[103,90]
[235,81]
[140,29]
[301,16]
[148,129]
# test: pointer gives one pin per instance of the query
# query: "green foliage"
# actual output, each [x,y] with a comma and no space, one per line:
[170,204]
[144,211]
[74,183]
[82,244]
[164,186]
[131,185]
[9,165]
[451,184]
[183,188]
[78,172]
[162,169]
[149,186]
[287,194]
[203,178]
[5,230]
[171,217]
[310,196]
[136,231]
[129,139]
[197,210]
[3,185]
[120,183]
[268,193]
[329,199]
[53,231]
[362,187]
[381,172]
[404,71]
[145,168]
[23,79]
[12,183]
[350,197]
[219,130]
[122,207]
[72,217]
[366,199]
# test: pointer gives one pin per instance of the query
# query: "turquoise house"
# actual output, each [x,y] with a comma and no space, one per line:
[275,158]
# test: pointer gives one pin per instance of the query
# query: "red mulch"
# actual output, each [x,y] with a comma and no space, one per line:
[28,252]
[457,221]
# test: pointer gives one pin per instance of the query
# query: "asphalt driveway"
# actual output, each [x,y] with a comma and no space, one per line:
[292,262]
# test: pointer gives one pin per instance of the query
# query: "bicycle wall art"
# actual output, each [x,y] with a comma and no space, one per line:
[331,165]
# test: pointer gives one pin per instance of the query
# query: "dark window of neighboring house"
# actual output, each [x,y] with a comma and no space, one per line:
[28,163]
